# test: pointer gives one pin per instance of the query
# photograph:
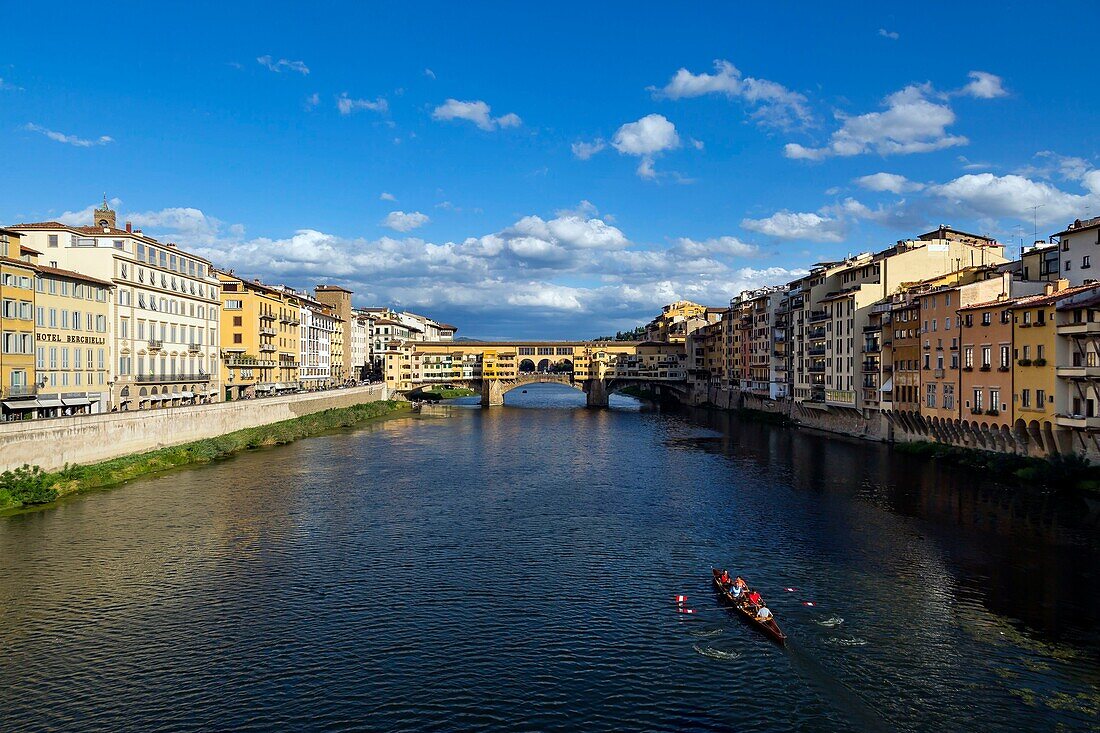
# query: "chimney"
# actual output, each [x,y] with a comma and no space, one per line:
[1049,288]
[129,227]
[1062,284]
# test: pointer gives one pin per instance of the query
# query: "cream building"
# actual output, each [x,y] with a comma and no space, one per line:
[163,330]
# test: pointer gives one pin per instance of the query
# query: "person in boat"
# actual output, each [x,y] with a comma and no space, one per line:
[763,614]
[755,599]
[737,591]
[724,579]
[739,582]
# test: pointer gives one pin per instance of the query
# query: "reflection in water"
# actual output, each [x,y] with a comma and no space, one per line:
[515,568]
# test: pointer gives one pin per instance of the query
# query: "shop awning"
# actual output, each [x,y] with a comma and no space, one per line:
[213,392]
[187,395]
[76,401]
[155,398]
[888,386]
[50,402]
[21,404]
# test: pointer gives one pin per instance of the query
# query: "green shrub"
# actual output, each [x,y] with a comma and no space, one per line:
[29,485]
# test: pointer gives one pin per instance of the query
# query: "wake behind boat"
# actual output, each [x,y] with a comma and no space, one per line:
[747,610]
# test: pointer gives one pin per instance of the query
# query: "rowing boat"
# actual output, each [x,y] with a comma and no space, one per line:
[745,610]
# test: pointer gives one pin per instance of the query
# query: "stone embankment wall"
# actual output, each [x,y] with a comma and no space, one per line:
[91,438]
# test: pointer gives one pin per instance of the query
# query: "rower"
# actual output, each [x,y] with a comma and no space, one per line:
[725,578]
[736,591]
[763,614]
[755,599]
[740,583]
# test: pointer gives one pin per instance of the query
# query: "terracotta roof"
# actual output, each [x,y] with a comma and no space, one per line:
[446,327]
[74,275]
[1079,226]
[107,232]
[332,287]
[28,251]
[21,263]
[1025,301]
[389,322]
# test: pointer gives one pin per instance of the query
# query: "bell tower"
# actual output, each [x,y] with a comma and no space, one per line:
[104,215]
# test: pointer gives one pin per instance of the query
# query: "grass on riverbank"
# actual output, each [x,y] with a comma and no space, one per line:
[1062,471]
[30,485]
[449,393]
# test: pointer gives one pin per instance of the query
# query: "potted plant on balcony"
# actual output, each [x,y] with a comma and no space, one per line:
[993,411]
[1024,362]
[1039,362]
[985,368]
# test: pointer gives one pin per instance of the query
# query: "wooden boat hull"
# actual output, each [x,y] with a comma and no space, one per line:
[768,628]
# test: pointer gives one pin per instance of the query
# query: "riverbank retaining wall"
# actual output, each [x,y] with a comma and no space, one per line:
[91,438]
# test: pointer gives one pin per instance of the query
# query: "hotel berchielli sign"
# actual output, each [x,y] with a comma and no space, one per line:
[71,339]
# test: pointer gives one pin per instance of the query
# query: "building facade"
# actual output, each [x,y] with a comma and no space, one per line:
[163,330]
[18,380]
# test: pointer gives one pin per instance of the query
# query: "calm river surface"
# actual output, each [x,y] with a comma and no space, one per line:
[516,569]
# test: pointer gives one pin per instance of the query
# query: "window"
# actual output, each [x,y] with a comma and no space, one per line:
[233,305]
[1085,264]
[1039,351]
[987,355]
[987,318]
[949,396]
[1004,356]
[1025,398]
[1040,399]
[930,396]
[994,399]
[978,397]
[52,240]
[237,338]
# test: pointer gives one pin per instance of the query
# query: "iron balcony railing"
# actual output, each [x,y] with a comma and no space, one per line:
[162,378]
[21,390]
[155,345]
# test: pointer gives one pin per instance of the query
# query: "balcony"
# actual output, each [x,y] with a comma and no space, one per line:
[1078,372]
[816,369]
[872,348]
[266,316]
[818,316]
[21,390]
[816,351]
[194,347]
[874,327]
[248,361]
[816,334]
[870,366]
[1079,329]
[1078,422]
[169,378]
[265,331]
[155,345]
[267,347]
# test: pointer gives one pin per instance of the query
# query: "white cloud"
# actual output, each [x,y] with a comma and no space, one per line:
[645,138]
[911,123]
[1014,196]
[84,217]
[73,140]
[584,150]
[399,221]
[386,196]
[730,246]
[429,73]
[892,35]
[313,100]
[774,103]
[477,112]
[8,86]
[891,182]
[984,85]
[798,225]
[584,209]
[282,65]
[1050,164]
[347,105]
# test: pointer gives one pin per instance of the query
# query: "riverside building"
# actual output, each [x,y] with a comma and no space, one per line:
[260,337]
[18,381]
[163,330]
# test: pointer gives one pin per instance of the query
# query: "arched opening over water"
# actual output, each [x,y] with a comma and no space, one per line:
[527,365]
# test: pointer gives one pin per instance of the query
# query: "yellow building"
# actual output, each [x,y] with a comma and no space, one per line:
[18,382]
[679,319]
[260,343]
[1035,383]
[336,349]
[72,342]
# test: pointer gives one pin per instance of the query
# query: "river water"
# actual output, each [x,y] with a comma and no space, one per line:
[516,569]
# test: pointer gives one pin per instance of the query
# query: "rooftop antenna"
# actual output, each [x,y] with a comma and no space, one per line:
[1035,221]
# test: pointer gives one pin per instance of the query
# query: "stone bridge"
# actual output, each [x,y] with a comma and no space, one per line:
[598,369]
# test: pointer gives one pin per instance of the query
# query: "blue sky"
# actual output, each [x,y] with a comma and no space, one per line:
[521,171]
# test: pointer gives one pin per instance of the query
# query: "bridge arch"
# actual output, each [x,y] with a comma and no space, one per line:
[544,365]
[526,365]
